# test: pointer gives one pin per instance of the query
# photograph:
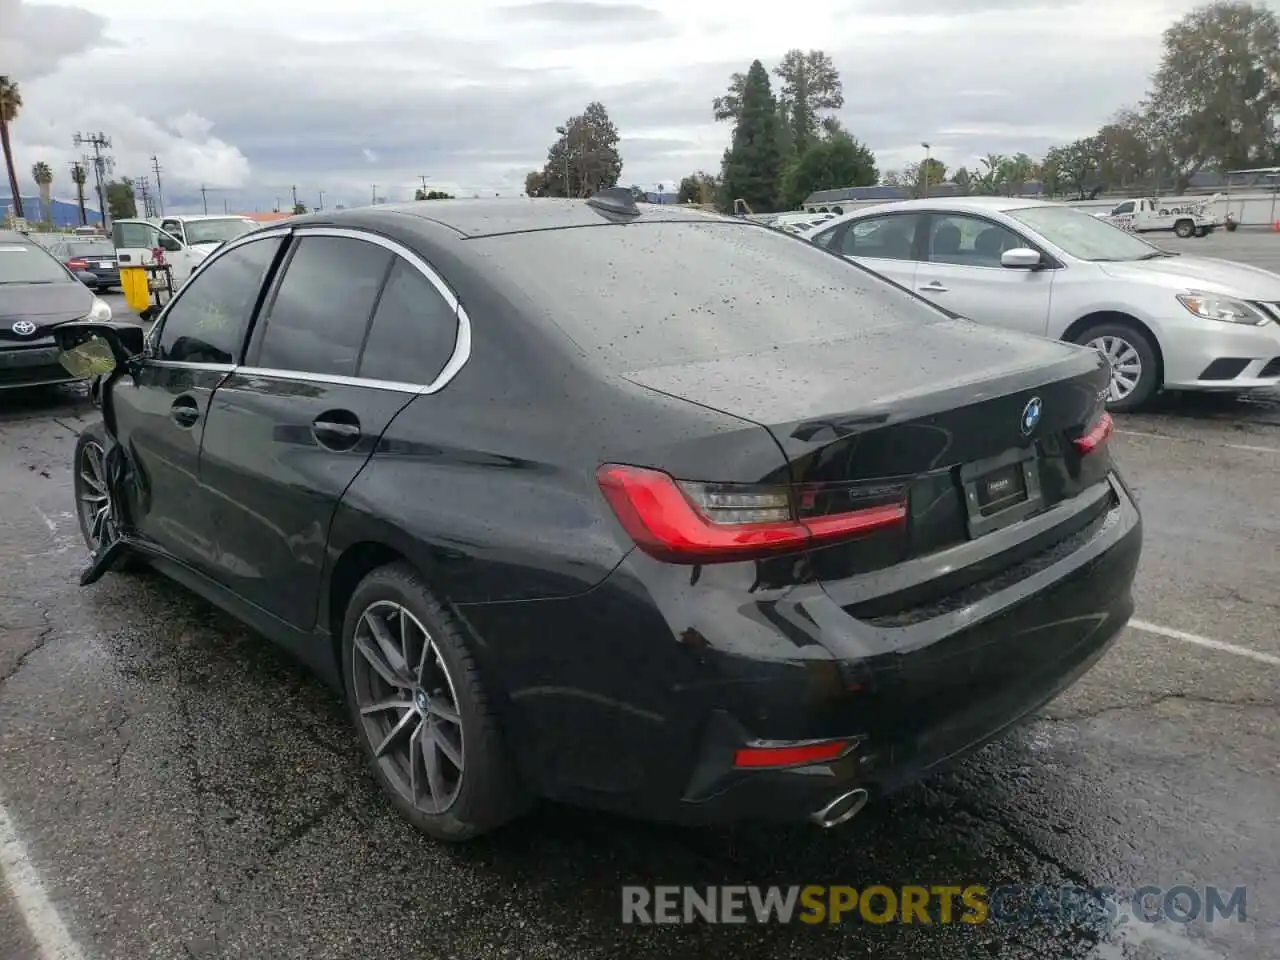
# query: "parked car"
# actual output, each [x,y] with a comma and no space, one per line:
[563,518]
[1164,320]
[93,261]
[37,293]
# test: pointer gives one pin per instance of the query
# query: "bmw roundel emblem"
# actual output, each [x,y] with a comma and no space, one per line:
[24,328]
[1030,416]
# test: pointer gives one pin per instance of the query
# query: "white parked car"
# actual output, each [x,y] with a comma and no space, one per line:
[1165,320]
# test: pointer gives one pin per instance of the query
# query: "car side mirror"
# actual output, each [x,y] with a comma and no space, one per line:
[90,348]
[1021,259]
[170,243]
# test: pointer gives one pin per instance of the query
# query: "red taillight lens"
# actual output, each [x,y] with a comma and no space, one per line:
[791,755]
[77,264]
[683,522]
[1098,434]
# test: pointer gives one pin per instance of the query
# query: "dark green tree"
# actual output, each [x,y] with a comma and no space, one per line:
[810,85]
[1217,91]
[752,166]
[585,158]
[120,202]
[828,164]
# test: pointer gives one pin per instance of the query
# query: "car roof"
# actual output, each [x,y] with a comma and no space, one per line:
[974,204]
[487,217]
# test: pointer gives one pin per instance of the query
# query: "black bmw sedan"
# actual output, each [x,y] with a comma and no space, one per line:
[640,508]
[36,293]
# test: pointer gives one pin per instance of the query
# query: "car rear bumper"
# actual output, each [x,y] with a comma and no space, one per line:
[1211,355]
[636,696]
[31,367]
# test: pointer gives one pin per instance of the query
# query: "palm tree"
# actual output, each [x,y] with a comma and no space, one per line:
[42,174]
[10,105]
[78,176]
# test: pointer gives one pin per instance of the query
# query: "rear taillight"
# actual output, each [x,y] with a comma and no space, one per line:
[1096,436]
[683,522]
[791,754]
[77,264]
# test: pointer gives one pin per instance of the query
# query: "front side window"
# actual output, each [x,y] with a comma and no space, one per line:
[135,235]
[413,332]
[965,241]
[208,321]
[1126,207]
[886,238]
[318,318]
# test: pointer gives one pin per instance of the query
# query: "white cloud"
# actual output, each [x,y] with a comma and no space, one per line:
[252,98]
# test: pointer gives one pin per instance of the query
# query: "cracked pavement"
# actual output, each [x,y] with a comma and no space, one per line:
[187,791]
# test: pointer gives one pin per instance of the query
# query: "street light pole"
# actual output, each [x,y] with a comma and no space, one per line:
[924,171]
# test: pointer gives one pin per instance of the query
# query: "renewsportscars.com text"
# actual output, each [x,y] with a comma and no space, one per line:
[938,904]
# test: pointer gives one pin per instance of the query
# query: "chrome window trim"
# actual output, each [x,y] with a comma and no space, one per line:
[462,336]
[190,365]
[336,379]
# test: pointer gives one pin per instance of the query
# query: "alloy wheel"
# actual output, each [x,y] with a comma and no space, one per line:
[408,706]
[94,503]
[1126,365]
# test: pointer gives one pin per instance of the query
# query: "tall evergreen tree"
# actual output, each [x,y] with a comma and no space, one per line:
[753,164]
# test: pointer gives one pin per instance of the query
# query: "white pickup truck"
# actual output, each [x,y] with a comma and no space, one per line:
[1186,218]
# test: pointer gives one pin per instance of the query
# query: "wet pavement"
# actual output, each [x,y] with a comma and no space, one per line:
[175,788]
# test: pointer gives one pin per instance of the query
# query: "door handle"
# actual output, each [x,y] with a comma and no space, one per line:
[337,429]
[934,287]
[184,412]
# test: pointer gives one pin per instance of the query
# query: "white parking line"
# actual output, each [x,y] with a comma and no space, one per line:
[1199,641]
[41,916]
[1230,446]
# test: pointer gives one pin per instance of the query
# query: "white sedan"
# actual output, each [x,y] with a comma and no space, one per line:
[1163,319]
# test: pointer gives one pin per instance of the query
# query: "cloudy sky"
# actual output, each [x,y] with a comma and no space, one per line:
[251,97]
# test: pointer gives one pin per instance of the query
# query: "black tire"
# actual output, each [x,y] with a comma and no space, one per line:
[489,791]
[1150,375]
[1184,228]
[95,435]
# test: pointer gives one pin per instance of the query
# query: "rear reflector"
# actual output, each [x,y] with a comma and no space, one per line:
[793,755]
[683,522]
[1098,434]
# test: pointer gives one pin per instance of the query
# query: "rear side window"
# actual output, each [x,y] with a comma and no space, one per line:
[647,294]
[413,332]
[318,318]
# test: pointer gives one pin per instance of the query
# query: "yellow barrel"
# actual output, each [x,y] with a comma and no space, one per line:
[137,288]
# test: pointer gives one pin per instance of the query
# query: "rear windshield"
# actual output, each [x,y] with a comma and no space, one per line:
[29,263]
[649,294]
[90,248]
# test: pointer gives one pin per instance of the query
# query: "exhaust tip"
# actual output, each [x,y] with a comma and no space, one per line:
[840,810]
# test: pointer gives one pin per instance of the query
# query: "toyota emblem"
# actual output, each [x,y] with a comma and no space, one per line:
[24,328]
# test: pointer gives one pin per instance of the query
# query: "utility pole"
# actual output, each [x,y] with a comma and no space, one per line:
[142,190]
[204,197]
[423,178]
[101,164]
[79,174]
[374,190]
[295,196]
[155,168]
[226,205]
[321,206]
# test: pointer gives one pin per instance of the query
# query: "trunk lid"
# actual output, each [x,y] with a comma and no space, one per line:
[963,422]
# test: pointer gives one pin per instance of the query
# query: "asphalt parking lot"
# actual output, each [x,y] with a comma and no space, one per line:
[171,786]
